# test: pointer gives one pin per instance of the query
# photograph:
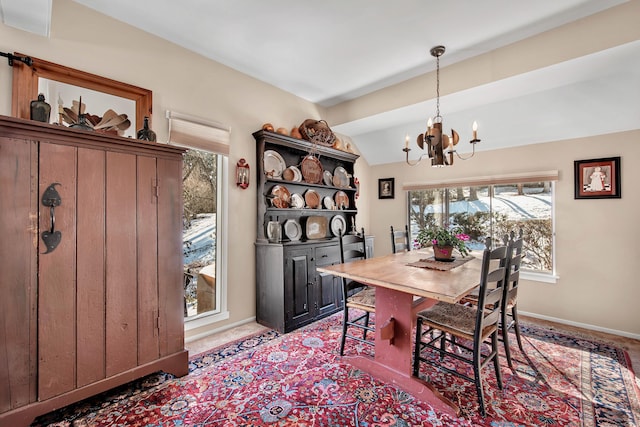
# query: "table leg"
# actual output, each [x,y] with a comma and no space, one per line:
[393,357]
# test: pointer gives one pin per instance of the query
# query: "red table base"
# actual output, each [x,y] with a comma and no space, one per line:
[395,314]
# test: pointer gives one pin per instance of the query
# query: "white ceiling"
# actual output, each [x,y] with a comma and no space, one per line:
[335,50]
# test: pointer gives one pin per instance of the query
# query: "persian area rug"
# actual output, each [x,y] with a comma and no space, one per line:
[298,379]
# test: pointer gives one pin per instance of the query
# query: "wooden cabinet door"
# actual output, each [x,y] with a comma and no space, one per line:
[328,294]
[57,274]
[18,246]
[298,284]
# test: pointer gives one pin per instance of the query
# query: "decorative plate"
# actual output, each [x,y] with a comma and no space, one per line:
[297,173]
[297,202]
[340,177]
[274,164]
[341,199]
[288,174]
[281,196]
[338,225]
[327,178]
[328,203]
[292,229]
[311,170]
[292,173]
[316,227]
[312,199]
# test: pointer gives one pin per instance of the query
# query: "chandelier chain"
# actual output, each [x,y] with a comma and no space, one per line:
[438,86]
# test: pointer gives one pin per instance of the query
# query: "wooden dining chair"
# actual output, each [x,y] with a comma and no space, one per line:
[509,315]
[400,240]
[509,318]
[446,328]
[356,296]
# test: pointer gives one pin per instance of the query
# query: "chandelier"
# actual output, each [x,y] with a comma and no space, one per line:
[433,142]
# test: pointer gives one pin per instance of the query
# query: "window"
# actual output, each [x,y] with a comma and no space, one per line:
[200,187]
[492,210]
[204,181]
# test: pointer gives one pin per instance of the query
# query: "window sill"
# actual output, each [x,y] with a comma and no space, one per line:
[538,277]
[205,320]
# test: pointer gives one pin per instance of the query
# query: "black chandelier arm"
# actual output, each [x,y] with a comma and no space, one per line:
[11,57]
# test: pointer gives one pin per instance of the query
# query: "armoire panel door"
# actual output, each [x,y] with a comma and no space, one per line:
[90,305]
[170,288]
[121,270]
[147,223]
[57,274]
[18,228]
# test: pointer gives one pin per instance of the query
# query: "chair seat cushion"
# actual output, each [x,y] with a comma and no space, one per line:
[456,319]
[366,298]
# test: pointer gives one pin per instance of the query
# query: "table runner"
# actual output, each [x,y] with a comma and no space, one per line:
[440,265]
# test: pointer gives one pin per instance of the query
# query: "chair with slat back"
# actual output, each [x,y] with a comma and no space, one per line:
[510,307]
[400,240]
[356,296]
[446,328]
[509,315]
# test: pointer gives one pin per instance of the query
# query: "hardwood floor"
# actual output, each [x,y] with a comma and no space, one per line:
[632,346]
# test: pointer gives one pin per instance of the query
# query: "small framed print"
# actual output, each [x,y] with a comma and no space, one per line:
[385,188]
[597,178]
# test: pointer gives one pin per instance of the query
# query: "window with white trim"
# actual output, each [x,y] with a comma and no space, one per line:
[492,206]
[204,214]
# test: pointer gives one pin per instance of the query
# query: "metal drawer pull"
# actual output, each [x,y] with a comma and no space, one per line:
[51,198]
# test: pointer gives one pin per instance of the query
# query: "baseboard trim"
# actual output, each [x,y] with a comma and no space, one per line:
[217,330]
[581,325]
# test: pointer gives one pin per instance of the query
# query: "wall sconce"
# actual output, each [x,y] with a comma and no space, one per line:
[242,174]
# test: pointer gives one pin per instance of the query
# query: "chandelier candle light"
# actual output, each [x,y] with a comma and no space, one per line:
[433,141]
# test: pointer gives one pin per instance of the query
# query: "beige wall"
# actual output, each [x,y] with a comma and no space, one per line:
[596,238]
[181,81]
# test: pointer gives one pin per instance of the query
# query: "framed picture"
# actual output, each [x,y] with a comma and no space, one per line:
[597,178]
[385,188]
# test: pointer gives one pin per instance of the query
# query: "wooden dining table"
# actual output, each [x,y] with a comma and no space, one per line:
[401,291]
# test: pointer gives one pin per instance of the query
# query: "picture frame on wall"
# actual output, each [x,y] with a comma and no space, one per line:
[386,188]
[597,178]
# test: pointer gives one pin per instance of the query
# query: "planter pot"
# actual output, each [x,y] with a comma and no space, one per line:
[443,253]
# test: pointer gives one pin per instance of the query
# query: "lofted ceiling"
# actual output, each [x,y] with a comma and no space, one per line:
[333,51]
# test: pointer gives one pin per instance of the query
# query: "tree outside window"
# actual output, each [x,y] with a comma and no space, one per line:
[493,210]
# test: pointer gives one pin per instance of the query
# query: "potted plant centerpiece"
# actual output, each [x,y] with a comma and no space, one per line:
[444,240]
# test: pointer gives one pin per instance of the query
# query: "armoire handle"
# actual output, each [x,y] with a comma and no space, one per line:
[51,199]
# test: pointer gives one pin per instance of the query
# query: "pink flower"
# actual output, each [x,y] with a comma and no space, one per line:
[434,242]
[463,237]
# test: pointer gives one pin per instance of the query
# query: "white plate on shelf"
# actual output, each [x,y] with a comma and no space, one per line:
[327,178]
[340,177]
[274,164]
[292,229]
[297,202]
[328,203]
[338,225]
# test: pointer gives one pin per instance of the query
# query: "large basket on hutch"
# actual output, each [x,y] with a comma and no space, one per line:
[317,131]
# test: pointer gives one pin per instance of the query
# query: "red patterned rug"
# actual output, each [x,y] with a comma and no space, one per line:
[298,379]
